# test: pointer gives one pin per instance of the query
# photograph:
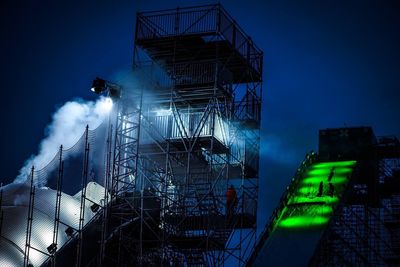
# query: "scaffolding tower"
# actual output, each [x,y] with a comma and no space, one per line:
[190,132]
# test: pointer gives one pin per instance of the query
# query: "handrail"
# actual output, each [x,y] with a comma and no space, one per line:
[209,23]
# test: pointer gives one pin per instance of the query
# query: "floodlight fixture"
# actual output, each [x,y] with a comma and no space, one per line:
[52,248]
[98,85]
[101,86]
[95,207]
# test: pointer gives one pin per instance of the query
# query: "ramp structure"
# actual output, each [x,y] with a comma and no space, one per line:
[339,212]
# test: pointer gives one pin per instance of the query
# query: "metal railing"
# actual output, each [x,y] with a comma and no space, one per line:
[202,20]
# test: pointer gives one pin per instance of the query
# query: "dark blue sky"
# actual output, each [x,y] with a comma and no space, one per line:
[327,63]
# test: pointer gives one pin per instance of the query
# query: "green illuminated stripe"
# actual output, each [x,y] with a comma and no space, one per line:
[312,181]
[349,163]
[303,221]
[326,171]
[304,199]
[306,209]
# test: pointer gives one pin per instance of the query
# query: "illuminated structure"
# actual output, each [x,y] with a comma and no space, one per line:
[188,131]
[177,138]
[342,207]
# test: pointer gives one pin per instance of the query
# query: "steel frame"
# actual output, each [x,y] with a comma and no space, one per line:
[174,158]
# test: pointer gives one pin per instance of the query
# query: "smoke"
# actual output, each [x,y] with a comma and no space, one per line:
[67,126]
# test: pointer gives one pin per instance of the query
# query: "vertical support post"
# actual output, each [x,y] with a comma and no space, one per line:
[58,205]
[106,204]
[30,219]
[1,208]
[83,198]
[142,179]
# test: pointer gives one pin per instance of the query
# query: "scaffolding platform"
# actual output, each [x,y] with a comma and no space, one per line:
[194,34]
[233,60]
[213,221]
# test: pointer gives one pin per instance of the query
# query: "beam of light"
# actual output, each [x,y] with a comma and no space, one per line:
[106,104]
[163,112]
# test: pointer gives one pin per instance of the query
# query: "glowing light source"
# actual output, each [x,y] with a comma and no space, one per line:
[98,86]
[326,171]
[318,179]
[303,221]
[349,163]
[314,199]
[163,112]
[106,104]
[307,209]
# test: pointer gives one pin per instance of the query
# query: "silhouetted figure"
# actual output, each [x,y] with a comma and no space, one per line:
[331,174]
[231,201]
[331,189]
[320,189]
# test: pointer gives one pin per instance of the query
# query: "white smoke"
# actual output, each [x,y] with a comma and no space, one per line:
[67,126]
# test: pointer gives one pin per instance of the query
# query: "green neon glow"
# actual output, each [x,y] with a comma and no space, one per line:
[326,171]
[308,209]
[305,190]
[305,199]
[349,163]
[322,210]
[303,221]
[311,181]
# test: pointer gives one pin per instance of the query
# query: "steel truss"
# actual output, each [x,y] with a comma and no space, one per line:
[361,233]
[191,131]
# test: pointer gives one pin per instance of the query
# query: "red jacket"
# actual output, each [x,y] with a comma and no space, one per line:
[231,195]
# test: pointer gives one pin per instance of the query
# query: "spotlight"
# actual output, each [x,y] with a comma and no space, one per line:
[95,207]
[98,86]
[52,248]
[69,231]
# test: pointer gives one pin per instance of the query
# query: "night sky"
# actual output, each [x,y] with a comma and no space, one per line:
[327,64]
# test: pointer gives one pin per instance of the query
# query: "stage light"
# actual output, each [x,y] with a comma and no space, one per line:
[52,248]
[95,207]
[99,86]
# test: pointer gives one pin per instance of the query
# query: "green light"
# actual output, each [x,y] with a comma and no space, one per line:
[313,199]
[306,190]
[303,221]
[323,210]
[310,181]
[325,172]
[306,209]
[349,163]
